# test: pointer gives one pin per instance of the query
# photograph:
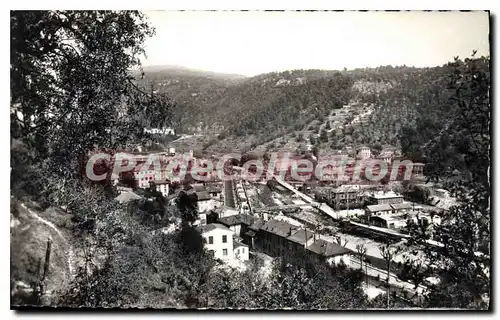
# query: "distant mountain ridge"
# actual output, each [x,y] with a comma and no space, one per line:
[300,105]
[173,70]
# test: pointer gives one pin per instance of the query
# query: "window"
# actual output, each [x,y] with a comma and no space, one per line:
[224,252]
[242,250]
[237,251]
[210,240]
[224,239]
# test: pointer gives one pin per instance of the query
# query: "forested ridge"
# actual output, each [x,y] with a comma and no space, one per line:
[410,105]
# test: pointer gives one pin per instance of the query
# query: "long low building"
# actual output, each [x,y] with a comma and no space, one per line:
[386,209]
[378,209]
[280,238]
[333,253]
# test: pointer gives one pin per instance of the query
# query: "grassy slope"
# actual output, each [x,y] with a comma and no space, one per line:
[28,244]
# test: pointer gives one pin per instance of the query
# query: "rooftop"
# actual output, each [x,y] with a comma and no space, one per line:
[162,181]
[279,228]
[348,188]
[203,195]
[213,226]
[256,225]
[198,187]
[390,218]
[240,218]
[385,195]
[228,212]
[327,248]
[379,207]
[300,236]
[401,206]
[250,233]
[213,188]
[237,244]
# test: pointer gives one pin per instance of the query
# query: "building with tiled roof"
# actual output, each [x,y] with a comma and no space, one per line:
[300,240]
[379,209]
[213,226]
[239,224]
[302,237]
[272,236]
[279,228]
[382,197]
[203,195]
[401,206]
[331,252]
[240,218]
[240,251]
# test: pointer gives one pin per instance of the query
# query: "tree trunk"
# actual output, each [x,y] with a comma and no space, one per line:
[388,286]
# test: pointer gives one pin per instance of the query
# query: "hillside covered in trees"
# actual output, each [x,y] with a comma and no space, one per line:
[71,98]
[409,105]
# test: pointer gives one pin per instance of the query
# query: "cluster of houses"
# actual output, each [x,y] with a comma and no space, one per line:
[233,236]
[385,209]
[389,210]
[162,131]
[232,233]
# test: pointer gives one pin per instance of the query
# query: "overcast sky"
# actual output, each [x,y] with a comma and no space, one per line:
[251,43]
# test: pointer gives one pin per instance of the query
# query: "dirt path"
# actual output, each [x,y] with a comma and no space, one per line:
[53,227]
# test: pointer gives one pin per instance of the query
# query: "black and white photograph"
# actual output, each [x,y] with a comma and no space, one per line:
[250,160]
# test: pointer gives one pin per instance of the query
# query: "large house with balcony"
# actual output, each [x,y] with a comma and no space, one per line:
[347,196]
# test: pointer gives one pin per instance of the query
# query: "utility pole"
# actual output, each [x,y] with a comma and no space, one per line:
[39,286]
[47,259]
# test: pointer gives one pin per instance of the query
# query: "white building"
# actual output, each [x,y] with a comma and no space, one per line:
[162,186]
[241,251]
[162,131]
[218,240]
[365,153]
[382,197]
[331,252]
[205,203]
[388,222]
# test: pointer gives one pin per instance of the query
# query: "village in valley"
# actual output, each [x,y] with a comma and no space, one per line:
[329,161]
[339,222]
